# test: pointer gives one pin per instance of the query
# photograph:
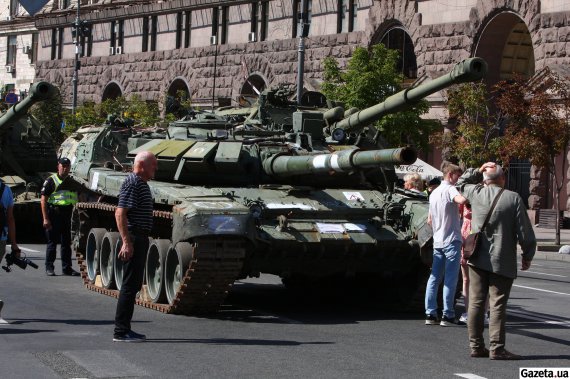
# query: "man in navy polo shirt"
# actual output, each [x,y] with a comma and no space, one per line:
[134,221]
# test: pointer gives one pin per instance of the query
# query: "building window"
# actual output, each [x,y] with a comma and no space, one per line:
[145,31]
[398,39]
[301,18]
[64,4]
[87,41]
[187,28]
[296,12]
[264,20]
[60,43]
[121,36]
[53,43]
[117,36]
[215,20]
[14,8]
[153,32]
[254,13]
[179,22]
[113,37]
[11,53]
[225,22]
[34,48]
[346,16]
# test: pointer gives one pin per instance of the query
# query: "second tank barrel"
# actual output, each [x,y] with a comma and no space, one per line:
[468,70]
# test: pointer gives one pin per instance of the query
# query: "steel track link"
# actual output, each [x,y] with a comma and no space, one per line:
[215,265]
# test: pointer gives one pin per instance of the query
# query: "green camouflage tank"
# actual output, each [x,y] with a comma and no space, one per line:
[305,194]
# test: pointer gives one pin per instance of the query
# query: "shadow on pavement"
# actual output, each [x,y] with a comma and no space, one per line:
[59,321]
[236,341]
[25,331]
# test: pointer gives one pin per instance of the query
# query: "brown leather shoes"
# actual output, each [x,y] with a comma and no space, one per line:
[503,354]
[480,353]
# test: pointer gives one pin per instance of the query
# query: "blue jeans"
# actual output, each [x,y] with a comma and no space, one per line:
[445,266]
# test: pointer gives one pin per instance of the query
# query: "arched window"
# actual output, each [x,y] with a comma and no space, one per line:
[112,91]
[397,39]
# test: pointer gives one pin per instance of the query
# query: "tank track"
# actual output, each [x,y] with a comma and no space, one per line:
[216,263]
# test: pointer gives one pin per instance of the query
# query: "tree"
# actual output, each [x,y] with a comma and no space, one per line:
[474,140]
[538,126]
[49,113]
[370,77]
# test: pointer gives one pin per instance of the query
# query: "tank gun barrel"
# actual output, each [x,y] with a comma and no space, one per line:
[38,92]
[468,70]
[342,161]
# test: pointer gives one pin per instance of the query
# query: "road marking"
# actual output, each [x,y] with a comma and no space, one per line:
[470,376]
[544,273]
[540,319]
[539,289]
[29,250]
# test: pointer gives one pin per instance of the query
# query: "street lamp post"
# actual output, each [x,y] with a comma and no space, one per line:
[78,33]
[214,41]
[303,31]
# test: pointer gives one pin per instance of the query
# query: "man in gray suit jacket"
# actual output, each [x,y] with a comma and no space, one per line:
[493,267]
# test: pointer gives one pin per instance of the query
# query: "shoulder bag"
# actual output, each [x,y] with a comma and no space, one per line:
[473,240]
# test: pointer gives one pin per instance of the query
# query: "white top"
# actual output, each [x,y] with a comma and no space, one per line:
[445,220]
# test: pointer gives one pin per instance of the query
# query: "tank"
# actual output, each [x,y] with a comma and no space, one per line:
[28,156]
[283,198]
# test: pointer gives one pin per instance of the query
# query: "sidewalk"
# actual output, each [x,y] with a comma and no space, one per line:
[546,249]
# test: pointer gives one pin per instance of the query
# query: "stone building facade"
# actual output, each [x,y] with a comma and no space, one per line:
[218,50]
[18,44]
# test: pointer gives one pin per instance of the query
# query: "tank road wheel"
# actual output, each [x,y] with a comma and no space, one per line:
[177,261]
[154,269]
[118,264]
[107,259]
[92,252]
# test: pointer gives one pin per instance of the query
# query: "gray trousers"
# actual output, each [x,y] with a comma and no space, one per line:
[498,288]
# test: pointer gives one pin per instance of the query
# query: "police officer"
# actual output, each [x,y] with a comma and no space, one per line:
[57,202]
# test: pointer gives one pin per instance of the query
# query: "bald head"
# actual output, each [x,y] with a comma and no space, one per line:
[494,175]
[145,165]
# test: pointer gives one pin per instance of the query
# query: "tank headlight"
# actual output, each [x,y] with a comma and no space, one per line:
[338,135]
[256,210]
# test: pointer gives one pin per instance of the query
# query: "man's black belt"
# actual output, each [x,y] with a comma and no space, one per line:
[139,231]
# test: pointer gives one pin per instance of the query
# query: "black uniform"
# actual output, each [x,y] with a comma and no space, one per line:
[60,232]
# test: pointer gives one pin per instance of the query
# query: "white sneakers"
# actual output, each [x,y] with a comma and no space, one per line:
[463,319]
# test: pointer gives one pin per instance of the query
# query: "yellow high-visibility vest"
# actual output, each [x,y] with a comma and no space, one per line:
[62,197]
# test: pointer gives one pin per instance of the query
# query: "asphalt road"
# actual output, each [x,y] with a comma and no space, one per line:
[58,329]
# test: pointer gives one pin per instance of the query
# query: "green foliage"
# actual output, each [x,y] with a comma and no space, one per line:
[143,113]
[370,77]
[87,114]
[538,120]
[49,113]
[177,106]
[473,142]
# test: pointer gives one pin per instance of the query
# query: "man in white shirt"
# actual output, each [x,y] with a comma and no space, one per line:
[446,224]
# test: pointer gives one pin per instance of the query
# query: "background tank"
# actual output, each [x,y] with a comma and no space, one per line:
[283,198]
[28,156]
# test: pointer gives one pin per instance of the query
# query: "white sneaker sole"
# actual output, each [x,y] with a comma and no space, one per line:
[129,340]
